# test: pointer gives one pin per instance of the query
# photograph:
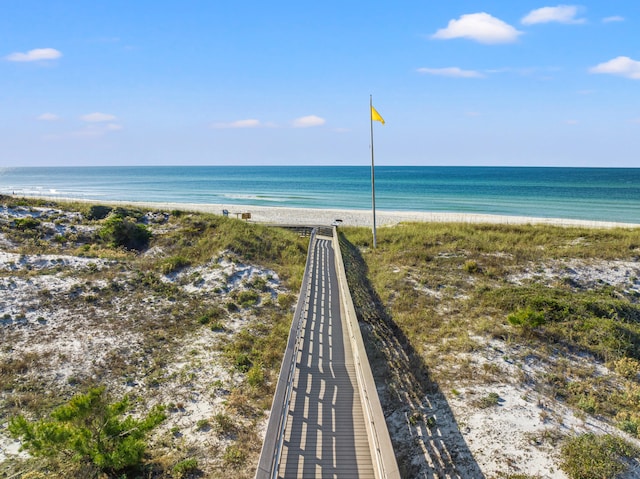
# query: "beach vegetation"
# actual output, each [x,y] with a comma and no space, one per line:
[174,263]
[224,425]
[438,293]
[490,400]
[255,376]
[526,318]
[234,456]
[186,467]
[286,301]
[91,431]
[118,231]
[212,314]
[137,325]
[248,298]
[203,425]
[592,456]
[471,266]
[99,212]
[27,223]
[259,283]
[629,423]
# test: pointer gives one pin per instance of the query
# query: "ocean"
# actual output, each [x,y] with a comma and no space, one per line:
[594,194]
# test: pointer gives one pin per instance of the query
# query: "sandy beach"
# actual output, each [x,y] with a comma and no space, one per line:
[311,216]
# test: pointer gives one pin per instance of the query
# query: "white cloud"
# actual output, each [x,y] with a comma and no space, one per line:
[113,127]
[454,72]
[571,122]
[559,14]
[615,18]
[308,121]
[35,55]
[249,123]
[97,117]
[480,27]
[622,66]
[48,117]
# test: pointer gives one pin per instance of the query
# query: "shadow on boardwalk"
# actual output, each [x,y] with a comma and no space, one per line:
[426,438]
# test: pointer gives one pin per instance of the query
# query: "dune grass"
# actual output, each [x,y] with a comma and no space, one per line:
[452,288]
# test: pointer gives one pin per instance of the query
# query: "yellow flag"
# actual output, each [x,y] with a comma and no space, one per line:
[375,116]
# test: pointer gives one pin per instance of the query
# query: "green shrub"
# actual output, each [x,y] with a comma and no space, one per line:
[121,232]
[491,399]
[248,298]
[174,263]
[187,466]
[526,318]
[629,426]
[431,422]
[285,301]
[588,404]
[234,456]
[27,223]
[590,456]
[255,375]
[217,326]
[629,421]
[99,212]
[89,430]
[471,267]
[134,213]
[203,424]
[260,284]
[223,424]
[628,368]
[242,362]
[212,314]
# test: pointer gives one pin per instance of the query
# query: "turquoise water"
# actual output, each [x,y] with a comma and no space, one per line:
[599,194]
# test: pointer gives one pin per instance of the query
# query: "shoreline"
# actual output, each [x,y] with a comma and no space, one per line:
[282,215]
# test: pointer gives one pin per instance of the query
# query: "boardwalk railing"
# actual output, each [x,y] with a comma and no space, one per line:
[274,437]
[384,459]
[380,447]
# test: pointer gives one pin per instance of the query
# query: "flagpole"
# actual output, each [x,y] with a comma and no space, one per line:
[373,175]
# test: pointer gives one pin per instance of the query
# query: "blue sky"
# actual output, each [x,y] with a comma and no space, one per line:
[121,82]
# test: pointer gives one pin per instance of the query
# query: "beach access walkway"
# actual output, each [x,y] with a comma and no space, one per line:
[322,424]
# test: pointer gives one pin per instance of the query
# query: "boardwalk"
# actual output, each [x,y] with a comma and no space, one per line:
[325,435]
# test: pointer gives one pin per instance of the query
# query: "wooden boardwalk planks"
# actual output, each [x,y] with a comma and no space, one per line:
[325,434]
